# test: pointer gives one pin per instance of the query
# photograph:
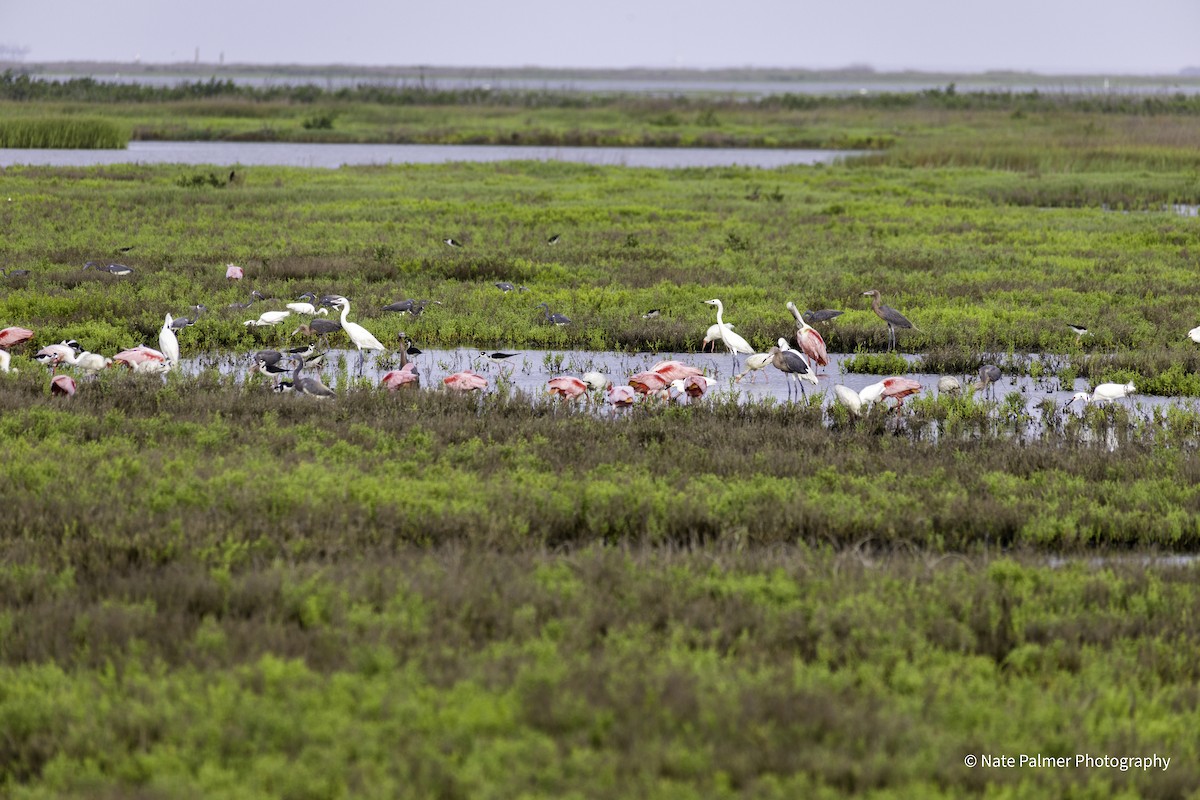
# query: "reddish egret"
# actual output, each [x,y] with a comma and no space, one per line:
[808,340]
[362,338]
[735,343]
[891,316]
[792,364]
[989,374]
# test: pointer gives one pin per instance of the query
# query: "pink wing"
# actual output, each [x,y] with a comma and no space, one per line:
[813,346]
[673,371]
[646,382]
[566,386]
[233,273]
[62,385]
[14,335]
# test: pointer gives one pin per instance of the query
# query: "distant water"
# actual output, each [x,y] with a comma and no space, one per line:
[331,156]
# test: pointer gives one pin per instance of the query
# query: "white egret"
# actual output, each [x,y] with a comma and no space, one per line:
[363,339]
[168,343]
[735,343]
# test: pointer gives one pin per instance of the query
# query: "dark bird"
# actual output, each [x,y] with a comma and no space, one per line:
[498,358]
[14,273]
[651,314]
[452,242]
[824,315]
[553,318]
[255,296]
[319,327]
[989,374]
[1080,332]
[113,269]
[891,316]
[553,239]
[507,287]
[793,365]
[311,386]
[124,249]
[414,307]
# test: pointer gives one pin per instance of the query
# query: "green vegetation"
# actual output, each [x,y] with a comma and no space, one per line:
[62,132]
[208,589]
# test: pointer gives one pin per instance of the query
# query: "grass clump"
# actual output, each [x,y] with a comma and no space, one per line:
[65,133]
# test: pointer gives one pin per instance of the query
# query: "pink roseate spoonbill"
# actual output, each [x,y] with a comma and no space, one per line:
[793,365]
[405,376]
[621,396]
[567,387]
[895,388]
[168,343]
[465,381]
[711,337]
[755,363]
[693,386]
[675,370]
[733,342]
[54,354]
[233,272]
[363,339]
[891,316]
[10,337]
[136,358]
[62,385]
[808,339]
[647,382]
[1105,393]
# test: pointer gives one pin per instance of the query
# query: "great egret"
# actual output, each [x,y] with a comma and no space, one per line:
[363,339]
[168,343]
[891,316]
[733,342]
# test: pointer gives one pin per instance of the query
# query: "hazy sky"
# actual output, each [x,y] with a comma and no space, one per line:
[1093,36]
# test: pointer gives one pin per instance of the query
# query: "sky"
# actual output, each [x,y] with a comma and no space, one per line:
[1157,37]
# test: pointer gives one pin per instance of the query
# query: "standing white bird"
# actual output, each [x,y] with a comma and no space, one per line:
[735,343]
[168,344]
[1105,393]
[362,338]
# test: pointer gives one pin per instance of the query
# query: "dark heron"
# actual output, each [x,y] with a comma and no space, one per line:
[14,273]
[824,315]
[989,374]
[553,239]
[507,287]
[793,365]
[319,327]
[414,307]
[255,297]
[452,242]
[179,323]
[891,316]
[553,318]
[311,386]
[653,313]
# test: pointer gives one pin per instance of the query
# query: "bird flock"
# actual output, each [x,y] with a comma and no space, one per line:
[666,381]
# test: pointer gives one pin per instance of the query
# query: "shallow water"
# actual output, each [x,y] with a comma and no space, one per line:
[529,370]
[332,156]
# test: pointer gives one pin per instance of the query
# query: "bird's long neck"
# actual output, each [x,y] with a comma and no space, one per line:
[345,311]
[720,309]
[796,313]
[876,302]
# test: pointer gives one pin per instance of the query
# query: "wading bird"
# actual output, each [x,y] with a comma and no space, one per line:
[255,296]
[712,336]
[948,384]
[405,376]
[233,272]
[62,385]
[1105,393]
[1079,331]
[267,319]
[363,339]
[552,318]
[306,308]
[319,327]
[824,315]
[553,239]
[309,385]
[142,359]
[621,396]
[734,343]
[755,363]
[808,339]
[452,242]
[1194,335]
[596,381]
[14,273]
[693,386]
[168,343]
[891,316]
[112,269]
[465,381]
[989,374]
[507,287]
[653,313]
[894,388]
[567,387]
[498,357]
[793,365]
[675,370]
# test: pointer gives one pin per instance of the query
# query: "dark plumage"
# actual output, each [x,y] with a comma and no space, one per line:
[824,315]
[891,316]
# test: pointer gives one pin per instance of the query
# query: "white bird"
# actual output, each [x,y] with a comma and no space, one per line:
[362,338]
[4,359]
[754,363]
[733,342]
[268,318]
[596,381]
[948,384]
[91,363]
[307,308]
[849,398]
[168,344]
[712,336]
[1105,393]
[1194,335]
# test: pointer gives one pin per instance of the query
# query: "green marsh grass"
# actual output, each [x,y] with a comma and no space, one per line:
[69,133]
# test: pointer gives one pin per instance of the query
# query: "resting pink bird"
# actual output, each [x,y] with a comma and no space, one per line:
[647,382]
[62,385]
[54,354]
[465,381]
[404,376]
[233,272]
[621,396]
[673,371]
[136,356]
[808,339]
[567,387]
[696,385]
[13,336]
